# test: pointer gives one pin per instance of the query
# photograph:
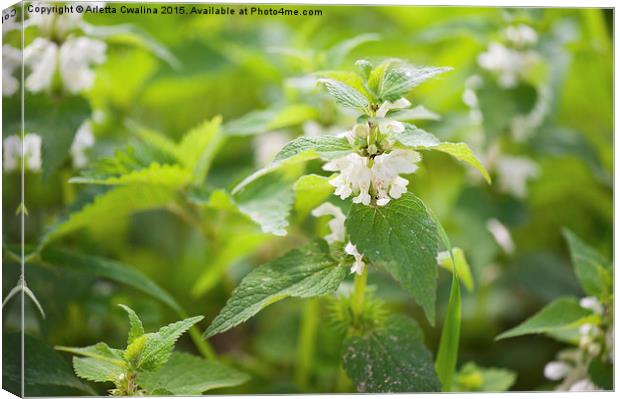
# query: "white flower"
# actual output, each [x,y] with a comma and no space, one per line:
[592,304]
[501,235]
[513,174]
[31,152]
[358,264]
[557,370]
[583,385]
[74,59]
[336,225]
[521,35]
[388,126]
[509,64]
[354,178]
[53,24]
[359,133]
[386,170]
[83,140]
[470,98]
[12,153]
[11,59]
[267,146]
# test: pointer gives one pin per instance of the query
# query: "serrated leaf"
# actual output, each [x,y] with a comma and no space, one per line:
[118,202]
[156,348]
[268,201]
[156,140]
[96,370]
[186,375]
[45,368]
[400,78]
[560,314]
[135,324]
[589,266]
[346,95]
[378,72]
[391,359]
[263,121]
[413,136]
[403,237]
[462,152]
[165,175]
[199,146]
[411,114]
[310,192]
[348,78]
[305,272]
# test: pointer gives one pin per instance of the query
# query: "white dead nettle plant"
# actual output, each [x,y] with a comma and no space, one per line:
[12,152]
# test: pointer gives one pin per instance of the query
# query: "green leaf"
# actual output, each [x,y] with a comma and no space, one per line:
[46,369]
[118,202]
[590,267]
[419,139]
[601,373]
[199,146]
[400,78]
[463,271]
[323,146]
[263,121]
[447,354]
[96,370]
[499,105]
[391,359]
[310,192]
[403,237]
[100,351]
[410,114]
[152,350]
[560,314]
[346,95]
[268,201]
[186,375]
[135,325]
[108,269]
[165,175]
[473,378]
[302,273]
[56,120]
[348,78]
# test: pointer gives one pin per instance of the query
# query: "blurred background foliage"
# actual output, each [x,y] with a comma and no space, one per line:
[233,66]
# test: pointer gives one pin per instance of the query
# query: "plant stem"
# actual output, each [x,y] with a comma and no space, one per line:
[359,288]
[305,342]
[203,346]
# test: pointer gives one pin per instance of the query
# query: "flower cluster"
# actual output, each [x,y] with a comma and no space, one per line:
[373,172]
[338,233]
[12,152]
[571,366]
[57,53]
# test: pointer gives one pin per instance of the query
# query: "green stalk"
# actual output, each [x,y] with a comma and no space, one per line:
[202,345]
[359,288]
[306,341]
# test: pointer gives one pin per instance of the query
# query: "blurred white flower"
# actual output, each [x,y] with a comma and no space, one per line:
[583,385]
[267,146]
[509,64]
[84,139]
[501,234]
[54,25]
[11,60]
[358,264]
[13,152]
[521,35]
[388,126]
[74,59]
[354,178]
[557,370]
[336,225]
[386,170]
[513,174]
[592,304]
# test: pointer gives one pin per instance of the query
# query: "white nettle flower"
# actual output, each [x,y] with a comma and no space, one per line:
[356,178]
[591,303]
[358,264]
[74,58]
[583,385]
[11,59]
[501,234]
[514,172]
[84,139]
[521,35]
[336,225]
[31,152]
[557,370]
[388,126]
[267,146]
[509,64]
